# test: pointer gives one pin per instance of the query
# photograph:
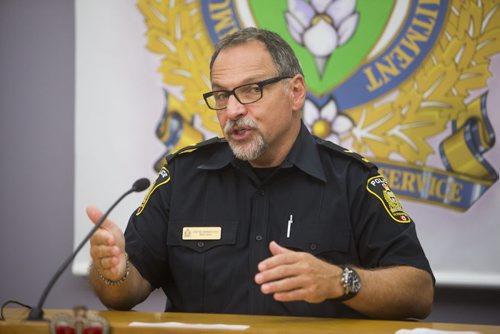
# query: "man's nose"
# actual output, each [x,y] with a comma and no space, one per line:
[234,108]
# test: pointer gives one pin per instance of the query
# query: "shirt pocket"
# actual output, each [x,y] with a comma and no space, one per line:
[195,264]
[322,240]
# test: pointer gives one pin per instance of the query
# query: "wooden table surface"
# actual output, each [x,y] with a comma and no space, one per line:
[119,323]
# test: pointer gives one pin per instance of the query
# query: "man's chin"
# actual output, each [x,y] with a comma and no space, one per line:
[243,151]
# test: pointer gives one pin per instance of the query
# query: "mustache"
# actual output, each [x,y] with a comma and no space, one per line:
[238,124]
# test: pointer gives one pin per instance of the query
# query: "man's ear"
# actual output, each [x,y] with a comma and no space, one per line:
[297,92]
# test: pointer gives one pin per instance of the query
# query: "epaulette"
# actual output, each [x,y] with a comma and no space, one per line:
[345,152]
[192,148]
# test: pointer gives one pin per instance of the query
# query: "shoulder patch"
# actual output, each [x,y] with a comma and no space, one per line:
[379,187]
[345,152]
[163,178]
[193,148]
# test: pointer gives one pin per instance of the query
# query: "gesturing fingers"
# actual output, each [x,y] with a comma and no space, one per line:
[279,267]
[101,251]
[306,294]
[109,262]
[288,276]
[295,289]
[286,284]
[102,237]
[107,247]
[280,257]
[291,276]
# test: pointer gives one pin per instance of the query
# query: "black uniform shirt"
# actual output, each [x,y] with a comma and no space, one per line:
[333,198]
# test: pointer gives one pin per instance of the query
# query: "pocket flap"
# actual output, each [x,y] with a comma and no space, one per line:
[317,239]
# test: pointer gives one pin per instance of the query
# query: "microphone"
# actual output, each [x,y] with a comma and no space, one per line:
[36,313]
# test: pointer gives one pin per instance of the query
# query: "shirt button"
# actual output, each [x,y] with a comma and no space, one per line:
[261,192]
[200,244]
[258,238]
[313,246]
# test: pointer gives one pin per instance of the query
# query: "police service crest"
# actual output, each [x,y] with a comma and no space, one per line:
[401,82]
[379,187]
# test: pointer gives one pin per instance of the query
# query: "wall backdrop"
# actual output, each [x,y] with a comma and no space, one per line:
[413,85]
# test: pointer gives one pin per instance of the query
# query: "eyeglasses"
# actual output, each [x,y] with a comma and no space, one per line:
[245,94]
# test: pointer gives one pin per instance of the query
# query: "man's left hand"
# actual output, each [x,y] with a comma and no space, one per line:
[293,276]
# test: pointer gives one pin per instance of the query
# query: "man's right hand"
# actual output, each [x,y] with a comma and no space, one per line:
[107,247]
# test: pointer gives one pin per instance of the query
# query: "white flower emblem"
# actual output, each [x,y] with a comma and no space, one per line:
[321,25]
[326,123]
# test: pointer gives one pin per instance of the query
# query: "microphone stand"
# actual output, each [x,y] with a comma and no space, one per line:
[36,312]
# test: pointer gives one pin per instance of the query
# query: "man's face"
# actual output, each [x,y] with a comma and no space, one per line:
[260,131]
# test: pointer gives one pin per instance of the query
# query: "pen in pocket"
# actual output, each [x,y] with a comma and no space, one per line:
[289,228]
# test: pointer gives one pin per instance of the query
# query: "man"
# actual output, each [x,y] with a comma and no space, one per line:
[269,220]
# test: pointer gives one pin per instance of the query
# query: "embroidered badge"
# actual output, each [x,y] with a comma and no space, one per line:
[163,178]
[378,186]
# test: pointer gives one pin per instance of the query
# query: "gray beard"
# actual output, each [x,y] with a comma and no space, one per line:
[247,151]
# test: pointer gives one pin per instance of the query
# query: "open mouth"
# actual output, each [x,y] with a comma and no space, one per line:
[239,133]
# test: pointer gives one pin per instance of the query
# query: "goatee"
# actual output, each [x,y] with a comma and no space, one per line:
[250,149]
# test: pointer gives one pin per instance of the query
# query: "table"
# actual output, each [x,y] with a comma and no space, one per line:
[119,321]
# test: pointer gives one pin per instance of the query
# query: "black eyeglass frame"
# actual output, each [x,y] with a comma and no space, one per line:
[260,84]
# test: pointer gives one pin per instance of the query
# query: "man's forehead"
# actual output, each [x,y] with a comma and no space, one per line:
[242,63]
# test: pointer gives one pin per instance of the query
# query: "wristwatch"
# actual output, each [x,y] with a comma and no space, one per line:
[351,283]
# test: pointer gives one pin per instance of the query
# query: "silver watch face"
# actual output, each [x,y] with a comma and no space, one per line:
[356,284]
[351,280]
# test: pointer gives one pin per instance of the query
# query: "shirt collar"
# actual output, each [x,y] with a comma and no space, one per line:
[304,155]
[218,160]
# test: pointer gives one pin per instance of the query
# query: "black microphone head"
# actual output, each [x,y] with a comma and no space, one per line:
[140,185]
